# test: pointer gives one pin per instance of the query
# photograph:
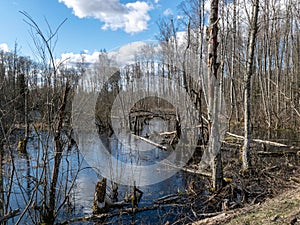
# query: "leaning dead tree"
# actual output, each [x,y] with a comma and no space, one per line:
[247,90]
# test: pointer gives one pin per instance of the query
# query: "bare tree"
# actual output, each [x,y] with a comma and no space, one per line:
[55,191]
[168,41]
[8,118]
[233,98]
[247,80]
[214,146]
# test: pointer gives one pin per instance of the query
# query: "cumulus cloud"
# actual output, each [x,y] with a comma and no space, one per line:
[122,56]
[132,17]
[126,54]
[71,57]
[168,12]
[4,47]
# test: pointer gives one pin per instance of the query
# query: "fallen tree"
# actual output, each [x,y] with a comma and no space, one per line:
[272,143]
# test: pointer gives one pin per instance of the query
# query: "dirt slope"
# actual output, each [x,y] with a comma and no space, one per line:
[282,209]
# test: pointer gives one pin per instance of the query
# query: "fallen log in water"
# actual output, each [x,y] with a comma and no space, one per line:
[168,133]
[102,216]
[151,142]
[167,199]
[122,212]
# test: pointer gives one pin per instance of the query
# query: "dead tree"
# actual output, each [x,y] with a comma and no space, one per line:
[247,90]
[214,145]
[99,204]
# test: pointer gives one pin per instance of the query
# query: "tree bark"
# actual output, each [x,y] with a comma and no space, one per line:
[1,179]
[50,216]
[233,100]
[214,145]
[247,90]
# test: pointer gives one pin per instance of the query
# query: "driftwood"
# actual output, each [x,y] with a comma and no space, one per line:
[265,142]
[222,217]
[151,142]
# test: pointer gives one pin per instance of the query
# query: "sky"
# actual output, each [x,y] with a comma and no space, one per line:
[91,25]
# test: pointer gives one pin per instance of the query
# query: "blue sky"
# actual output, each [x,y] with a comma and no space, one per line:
[91,24]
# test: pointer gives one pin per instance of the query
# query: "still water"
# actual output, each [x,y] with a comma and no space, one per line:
[81,170]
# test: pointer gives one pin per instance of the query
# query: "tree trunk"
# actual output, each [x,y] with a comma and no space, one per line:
[233,100]
[1,179]
[50,215]
[247,80]
[214,145]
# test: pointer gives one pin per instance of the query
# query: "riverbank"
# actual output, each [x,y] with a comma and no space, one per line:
[282,209]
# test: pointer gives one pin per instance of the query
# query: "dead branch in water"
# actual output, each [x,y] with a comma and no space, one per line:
[190,170]
[168,133]
[151,142]
[167,199]
[108,215]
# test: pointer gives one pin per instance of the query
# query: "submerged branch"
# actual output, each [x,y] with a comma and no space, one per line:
[151,142]
[108,215]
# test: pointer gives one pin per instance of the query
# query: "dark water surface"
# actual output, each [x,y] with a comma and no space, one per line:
[28,170]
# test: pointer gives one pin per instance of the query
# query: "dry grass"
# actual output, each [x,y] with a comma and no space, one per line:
[283,209]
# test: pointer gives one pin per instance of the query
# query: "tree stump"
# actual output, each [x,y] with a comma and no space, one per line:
[22,146]
[99,205]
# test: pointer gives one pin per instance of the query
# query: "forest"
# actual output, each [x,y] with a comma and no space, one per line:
[213,104]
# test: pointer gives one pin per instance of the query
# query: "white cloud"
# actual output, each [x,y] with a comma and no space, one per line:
[123,55]
[156,1]
[131,17]
[4,47]
[168,12]
[126,54]
[137,18]
[71,57]
[181,37]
